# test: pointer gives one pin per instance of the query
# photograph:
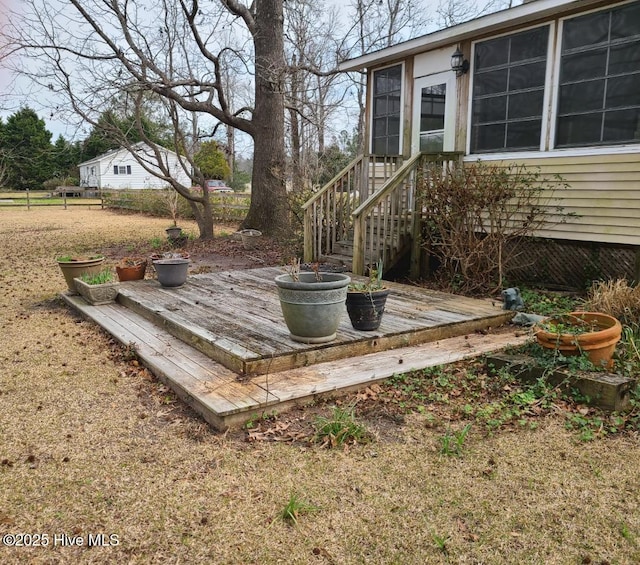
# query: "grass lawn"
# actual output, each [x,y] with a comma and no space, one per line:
[91,443]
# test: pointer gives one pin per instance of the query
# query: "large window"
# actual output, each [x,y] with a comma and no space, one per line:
[508,92]
[387,85]
[599,92]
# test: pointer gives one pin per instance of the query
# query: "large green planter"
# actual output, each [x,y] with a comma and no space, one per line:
[313,309]
[75,268]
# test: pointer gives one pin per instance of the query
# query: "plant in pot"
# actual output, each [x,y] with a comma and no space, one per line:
[97,288]
[171,198]
[131,269]
[592,333]
[73,266]
[366,300]
[312,303]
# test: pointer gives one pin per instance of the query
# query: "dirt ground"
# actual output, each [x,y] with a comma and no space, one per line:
[99,463]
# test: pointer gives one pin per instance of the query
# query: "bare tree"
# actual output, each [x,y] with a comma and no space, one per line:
[313,94]
[379,24]
[453,12]
[90,50]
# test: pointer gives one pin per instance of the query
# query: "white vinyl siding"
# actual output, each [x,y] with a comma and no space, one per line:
[602,193]
[119,170]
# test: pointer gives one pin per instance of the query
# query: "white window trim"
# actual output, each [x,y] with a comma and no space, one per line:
[402,104]
[550,109]
[546,101]
[566,152]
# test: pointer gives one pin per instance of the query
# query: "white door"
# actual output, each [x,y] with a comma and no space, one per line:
[434,113]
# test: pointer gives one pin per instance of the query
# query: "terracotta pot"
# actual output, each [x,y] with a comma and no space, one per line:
[599,344]
[132,272]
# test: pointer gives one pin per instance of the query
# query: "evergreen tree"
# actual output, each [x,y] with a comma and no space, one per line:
[66,157]
[26,144]
[211,161]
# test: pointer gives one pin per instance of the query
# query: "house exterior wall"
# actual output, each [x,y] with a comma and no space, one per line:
[604,182]
[603,193]
[138,178]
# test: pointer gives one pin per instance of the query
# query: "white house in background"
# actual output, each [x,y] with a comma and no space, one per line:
[119,169]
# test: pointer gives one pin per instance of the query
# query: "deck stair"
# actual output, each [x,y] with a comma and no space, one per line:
[220,341]
[370,211]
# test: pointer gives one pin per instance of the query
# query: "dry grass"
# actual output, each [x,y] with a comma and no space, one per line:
[616,298]
[91,445]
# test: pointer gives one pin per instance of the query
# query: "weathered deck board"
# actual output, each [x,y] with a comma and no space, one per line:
[345,374]
[223,400]
[235,318]
[220,341]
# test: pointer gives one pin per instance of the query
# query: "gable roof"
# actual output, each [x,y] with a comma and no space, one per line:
[526,13]
[139,146]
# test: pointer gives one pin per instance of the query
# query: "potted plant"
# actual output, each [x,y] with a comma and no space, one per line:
[73,266]
[172,270]
[312,303]
[171,198]
[366,300]
[593,333]
[97,288]
[131,269]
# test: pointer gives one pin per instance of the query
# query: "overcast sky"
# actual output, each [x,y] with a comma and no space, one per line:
[17,93]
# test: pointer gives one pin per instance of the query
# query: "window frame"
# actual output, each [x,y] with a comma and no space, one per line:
[401,132]
[553,131]
[546,95]
[548,147]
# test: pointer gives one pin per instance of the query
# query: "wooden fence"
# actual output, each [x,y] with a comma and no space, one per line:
[227,207]
[64,199]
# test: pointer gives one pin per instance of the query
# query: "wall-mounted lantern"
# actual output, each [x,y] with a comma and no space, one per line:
[458,63]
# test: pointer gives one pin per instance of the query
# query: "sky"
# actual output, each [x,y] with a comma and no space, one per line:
[16,93]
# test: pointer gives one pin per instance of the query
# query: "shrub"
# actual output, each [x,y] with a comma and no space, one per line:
[476,217]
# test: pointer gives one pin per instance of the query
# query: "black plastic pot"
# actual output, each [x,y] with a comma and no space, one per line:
[365,309]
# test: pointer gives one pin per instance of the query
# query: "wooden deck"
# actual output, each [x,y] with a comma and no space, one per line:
[220,341]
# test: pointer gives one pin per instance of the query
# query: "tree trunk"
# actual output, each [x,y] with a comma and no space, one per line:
[203,214]
[268,211]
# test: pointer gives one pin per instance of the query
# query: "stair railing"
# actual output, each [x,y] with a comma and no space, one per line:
[328,214]
[387,222]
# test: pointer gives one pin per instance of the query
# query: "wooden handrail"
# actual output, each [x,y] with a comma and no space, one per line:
[328,213]
[334,180]
[387,187]
[382,220]
[388,214]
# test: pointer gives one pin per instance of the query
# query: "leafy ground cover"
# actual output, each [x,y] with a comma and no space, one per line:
[450,465]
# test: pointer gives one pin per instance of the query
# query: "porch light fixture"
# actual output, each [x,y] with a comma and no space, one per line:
[458,63]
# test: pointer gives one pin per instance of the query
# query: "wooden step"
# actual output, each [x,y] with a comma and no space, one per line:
[224,398]
[235,318]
